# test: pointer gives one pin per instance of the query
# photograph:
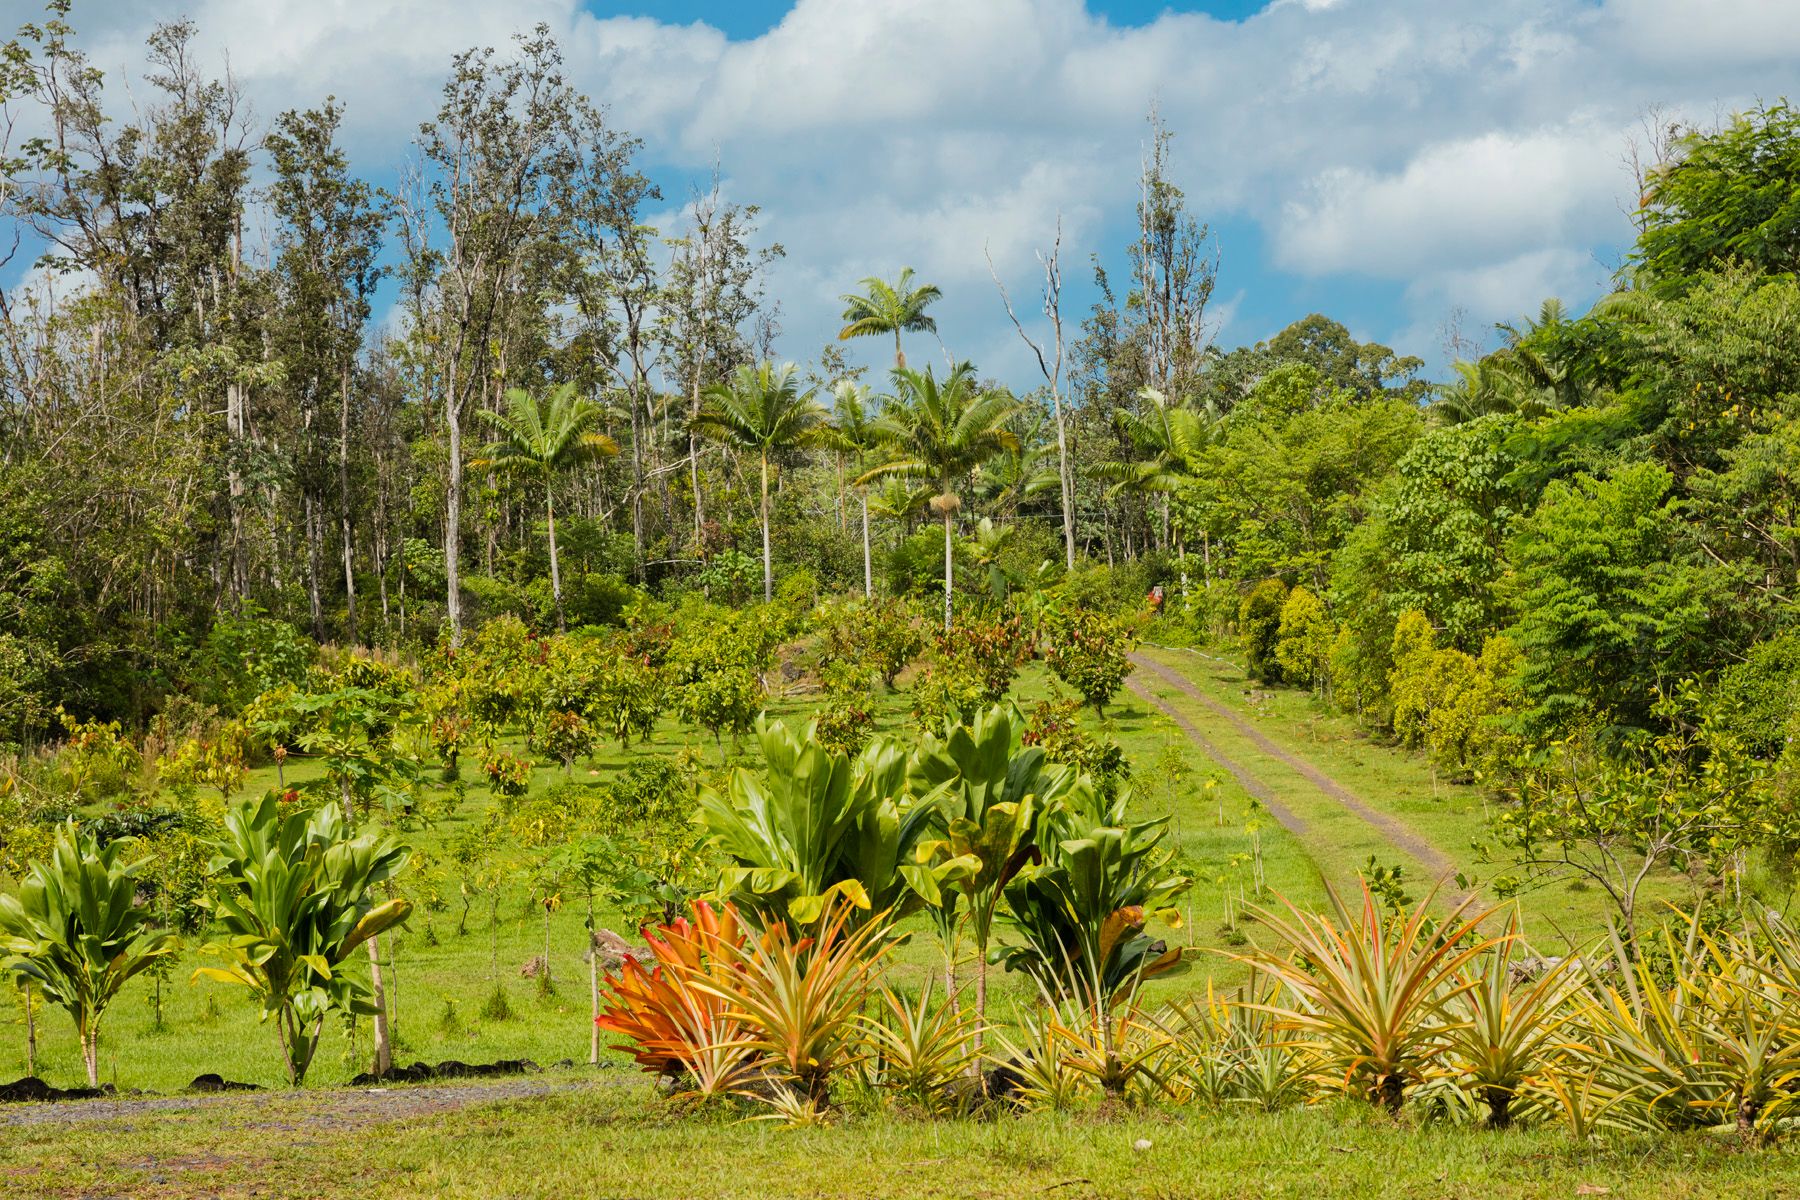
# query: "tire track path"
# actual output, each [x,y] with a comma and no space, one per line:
[1396,833]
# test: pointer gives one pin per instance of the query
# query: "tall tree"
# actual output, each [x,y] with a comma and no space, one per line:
[326,271]
[942,431]
[540,440]
[884,308]
[712,291]
[504,136]
[854,432]
[762,411]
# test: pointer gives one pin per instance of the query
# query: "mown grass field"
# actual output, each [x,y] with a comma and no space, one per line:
[619,1141]
[443,979]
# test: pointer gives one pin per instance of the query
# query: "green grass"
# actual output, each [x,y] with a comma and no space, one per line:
[1450,816]
[620,1141]
[212,1027]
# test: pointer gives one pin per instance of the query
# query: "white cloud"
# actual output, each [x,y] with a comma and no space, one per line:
[1469,200]
[1439,144]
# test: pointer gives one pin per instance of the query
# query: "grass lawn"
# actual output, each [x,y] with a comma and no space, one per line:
[1450,816]
[600,1140]
[440,980]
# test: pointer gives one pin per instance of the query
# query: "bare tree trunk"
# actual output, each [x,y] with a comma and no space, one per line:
[90,1054]
[948,569]
[384,1052]
[30,1033]
[768,563]
[309,509]
[453,510]
[344,503]
[555,571]
[868,562]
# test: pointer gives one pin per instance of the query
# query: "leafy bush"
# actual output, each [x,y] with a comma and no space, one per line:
[243,657]
[1259,625]
[1081,912]
[298,895]
[1088,651]
[814,825]
[564,736]
[76,930]
[1056,726]
[1304,640]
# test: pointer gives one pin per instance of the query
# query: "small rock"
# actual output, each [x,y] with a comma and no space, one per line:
[1141,1145]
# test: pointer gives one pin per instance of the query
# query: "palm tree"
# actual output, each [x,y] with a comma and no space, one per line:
[942,431]
[1014,476]
[541,439]
[1170,440]
[854,432]
[762,409]
[894,308]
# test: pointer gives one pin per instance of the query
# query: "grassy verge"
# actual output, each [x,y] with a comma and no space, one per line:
[620,1142]
[1450,816]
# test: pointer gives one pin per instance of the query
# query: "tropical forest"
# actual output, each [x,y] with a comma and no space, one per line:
[495,702]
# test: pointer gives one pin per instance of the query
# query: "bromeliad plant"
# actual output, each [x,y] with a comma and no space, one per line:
[298,892]
[924,1049]
[1375,997]
[800,993]
[76,930]
[1704,1030]
[676,1016]
[814,825]
[1509,1034]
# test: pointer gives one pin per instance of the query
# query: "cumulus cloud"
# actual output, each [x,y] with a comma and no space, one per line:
[1452,151]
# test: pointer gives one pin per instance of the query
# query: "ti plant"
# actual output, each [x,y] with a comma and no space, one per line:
[1374,997]
[1082,911]
[298,893]
[993,790]
[76,930]
[814,825]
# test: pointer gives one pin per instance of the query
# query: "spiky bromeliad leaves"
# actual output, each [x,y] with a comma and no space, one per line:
[74,928]
[298,894]
[815,824]
[1375,997]
[800,992]
[671,1024]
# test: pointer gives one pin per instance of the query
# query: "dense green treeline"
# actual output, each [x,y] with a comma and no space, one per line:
[1586,539]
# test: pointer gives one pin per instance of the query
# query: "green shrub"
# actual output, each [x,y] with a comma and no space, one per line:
[1304,640]
[1089,652]
[1757,697]
[243,657]
[1055,725]
[1259,625]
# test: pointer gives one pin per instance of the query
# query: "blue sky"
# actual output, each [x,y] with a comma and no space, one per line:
[1401,165]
